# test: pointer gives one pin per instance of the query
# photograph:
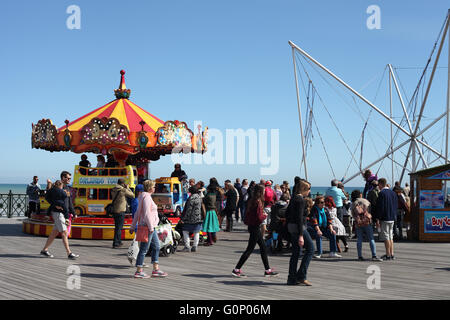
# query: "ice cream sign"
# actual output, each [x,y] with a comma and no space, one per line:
[436,222]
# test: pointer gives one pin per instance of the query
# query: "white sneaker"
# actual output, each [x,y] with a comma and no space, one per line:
[317,256]
[334,255]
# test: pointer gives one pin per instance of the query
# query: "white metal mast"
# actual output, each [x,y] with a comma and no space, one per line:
[412,133]
[300,115]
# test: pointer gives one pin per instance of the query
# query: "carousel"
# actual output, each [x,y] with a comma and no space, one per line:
[122,131]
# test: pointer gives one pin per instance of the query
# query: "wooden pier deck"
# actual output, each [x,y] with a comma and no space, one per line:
[421,271]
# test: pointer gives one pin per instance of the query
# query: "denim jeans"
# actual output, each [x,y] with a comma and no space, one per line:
[153,244]
[340,213]
[308,252]
[398,225]
[243,208]
[325,233]
[360,231]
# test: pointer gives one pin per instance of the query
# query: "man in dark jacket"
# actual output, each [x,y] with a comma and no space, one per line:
[61,221]
[386,214]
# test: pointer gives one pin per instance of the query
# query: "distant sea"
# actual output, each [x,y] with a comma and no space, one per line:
[15,188]
[21,188]
[322,190]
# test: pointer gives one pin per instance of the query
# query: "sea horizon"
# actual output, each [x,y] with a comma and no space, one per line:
[20,188]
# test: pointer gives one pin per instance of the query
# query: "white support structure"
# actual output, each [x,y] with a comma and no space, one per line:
[448,93]
[413,133]
[300,115]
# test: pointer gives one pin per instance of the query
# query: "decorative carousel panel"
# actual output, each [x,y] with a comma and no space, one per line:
[205,140]
[175,134]
[104,131]
[44,134]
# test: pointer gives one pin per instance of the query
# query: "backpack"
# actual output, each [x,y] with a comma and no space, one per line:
[363,218]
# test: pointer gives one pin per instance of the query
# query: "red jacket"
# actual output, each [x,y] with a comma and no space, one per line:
[254,216]
[269,197]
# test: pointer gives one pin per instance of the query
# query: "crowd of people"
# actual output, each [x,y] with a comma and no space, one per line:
[274,214]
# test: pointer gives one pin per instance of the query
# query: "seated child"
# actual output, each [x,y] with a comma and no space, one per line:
[56,196]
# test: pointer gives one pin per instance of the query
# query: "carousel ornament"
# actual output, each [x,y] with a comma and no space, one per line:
[67,135]
[142,139]
[175,134]
[122,92]
[104,131]
[44,135]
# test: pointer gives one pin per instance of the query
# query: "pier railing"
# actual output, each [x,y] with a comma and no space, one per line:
[13,204]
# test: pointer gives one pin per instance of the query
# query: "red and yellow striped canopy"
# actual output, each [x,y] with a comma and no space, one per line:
[128,114]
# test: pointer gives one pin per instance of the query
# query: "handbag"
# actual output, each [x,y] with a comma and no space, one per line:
[141,232]
[109,208]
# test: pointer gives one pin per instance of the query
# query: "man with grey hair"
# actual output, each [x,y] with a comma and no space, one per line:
[338,197]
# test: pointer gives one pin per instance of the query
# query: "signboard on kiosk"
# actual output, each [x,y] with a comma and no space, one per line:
[431,199]
[441,176]
[436,222]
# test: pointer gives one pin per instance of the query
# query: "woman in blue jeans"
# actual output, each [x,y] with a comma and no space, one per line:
[147,215]
[296,221]
[363,223]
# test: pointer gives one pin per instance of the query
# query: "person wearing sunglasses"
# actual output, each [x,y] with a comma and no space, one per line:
[320,226]
[61,221]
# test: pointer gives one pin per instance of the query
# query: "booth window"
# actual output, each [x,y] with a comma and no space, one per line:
[102,194]
[82,192]
[92,194]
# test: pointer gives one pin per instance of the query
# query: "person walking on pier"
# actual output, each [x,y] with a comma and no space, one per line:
[363,223]
[338,197]
[232,197]
[210,223]
[119,194]
[192,219]
[254,216]
[386,215]
[61,220]
[33,196]
[147,213]
[296,214]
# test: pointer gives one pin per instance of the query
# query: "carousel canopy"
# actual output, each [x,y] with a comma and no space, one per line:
[121,128]
[125,111]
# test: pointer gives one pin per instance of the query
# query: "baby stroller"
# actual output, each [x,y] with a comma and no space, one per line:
[168,239]
[277,228]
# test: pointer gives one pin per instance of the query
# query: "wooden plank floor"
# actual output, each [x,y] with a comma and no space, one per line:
[421,271]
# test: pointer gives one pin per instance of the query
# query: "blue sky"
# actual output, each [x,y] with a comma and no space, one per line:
[226,63]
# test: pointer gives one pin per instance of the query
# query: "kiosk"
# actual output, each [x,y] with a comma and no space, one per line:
[429,218]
